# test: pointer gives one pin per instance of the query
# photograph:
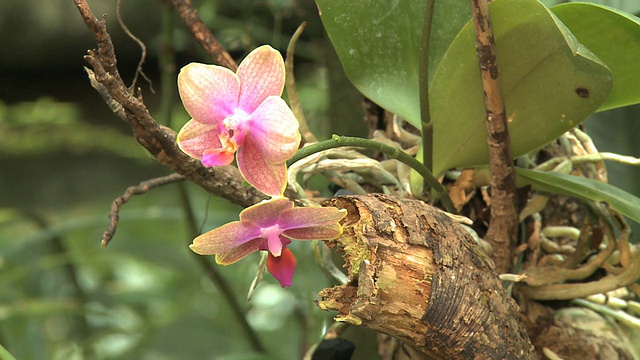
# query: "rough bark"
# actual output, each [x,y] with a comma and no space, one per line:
[419,277]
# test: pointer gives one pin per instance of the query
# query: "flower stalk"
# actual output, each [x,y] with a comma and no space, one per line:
[394,153]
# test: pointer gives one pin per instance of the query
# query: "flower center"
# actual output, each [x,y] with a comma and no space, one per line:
[274,243]
[233,129]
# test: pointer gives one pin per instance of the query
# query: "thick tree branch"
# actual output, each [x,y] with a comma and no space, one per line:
[419,277]
[504,215]
[224,181]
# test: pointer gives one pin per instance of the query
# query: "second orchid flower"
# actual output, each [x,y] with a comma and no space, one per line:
[270,226]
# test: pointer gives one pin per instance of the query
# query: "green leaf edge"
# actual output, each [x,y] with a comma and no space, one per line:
[581,188]
[617,98]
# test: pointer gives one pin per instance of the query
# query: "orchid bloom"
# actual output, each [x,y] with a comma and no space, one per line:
[270,226]
[240,112]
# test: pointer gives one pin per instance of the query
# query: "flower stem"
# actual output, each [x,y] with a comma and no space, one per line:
[394,153]
[292,91]
[167,64]
[425,115]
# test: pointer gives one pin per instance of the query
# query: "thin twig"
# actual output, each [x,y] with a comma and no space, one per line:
[206,39]
[504,214]
[292,91]
[166,62]
[216,277]
[143,47]
[72,274]
[140,189]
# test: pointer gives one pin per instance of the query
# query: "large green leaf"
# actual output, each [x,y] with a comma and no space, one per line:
[378,43]
[614,37]
[582,188]
[550,83]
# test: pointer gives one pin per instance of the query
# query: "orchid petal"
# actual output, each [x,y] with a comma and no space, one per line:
[209,93]
[300,217]
[261,75]
[325,232]
[282,267]
[265,214]
[195,138]
[237,253]
[224,238]
[274,130]
[267,177]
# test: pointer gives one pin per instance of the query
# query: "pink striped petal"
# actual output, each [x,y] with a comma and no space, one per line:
[274,129]
[209,93]
[195,138]
[267,177]
[265,214]
[261,75]
[237,253]
[282,267]
[325,232]
[306,217]
[224,238]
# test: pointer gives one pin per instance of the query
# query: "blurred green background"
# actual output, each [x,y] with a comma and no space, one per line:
[64,157]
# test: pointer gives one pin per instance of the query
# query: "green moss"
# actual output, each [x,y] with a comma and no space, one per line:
[355,251]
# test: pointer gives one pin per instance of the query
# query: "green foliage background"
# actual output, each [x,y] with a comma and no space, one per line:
[64,157]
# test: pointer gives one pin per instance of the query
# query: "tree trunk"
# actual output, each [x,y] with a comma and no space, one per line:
[420,277]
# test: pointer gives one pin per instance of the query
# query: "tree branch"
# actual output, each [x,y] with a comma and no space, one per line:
[504,215]
[160,141]
[206,39]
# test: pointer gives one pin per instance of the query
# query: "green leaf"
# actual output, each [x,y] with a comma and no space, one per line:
[550,83]
[378,43]
[582,188]
[630,7]
[614,36]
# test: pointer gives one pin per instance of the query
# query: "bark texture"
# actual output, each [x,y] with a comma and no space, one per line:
[418,276]
[504,213]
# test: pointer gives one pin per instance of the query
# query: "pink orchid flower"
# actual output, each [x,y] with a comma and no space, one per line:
[270,225]
[240,112]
